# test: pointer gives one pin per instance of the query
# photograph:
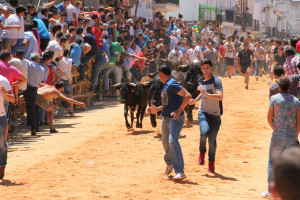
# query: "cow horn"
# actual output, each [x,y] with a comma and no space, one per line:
[146,83]
[132,84]
[163,60]
[182,66]
[117,85]
[152,60]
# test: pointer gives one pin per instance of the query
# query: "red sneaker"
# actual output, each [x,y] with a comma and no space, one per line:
[201,158]
[211,167]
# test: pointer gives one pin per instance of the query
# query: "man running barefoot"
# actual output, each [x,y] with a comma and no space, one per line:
[245,58]
[47,92]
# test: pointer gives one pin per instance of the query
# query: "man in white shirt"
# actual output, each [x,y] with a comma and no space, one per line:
[176,55]
[229,56]
[6,92]
[174,40]
[191,53]
[198,51]
[12,39]
[21,64]
[57,46]
[67,65]
[71,14]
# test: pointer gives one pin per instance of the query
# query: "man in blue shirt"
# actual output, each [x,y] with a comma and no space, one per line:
[283,118]
[209,113]
[36,74]
[174,100]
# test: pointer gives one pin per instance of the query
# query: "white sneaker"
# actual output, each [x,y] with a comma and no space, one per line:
[179,176]
[168,169]
[266,195]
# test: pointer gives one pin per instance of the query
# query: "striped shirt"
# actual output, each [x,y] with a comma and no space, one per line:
[293,89]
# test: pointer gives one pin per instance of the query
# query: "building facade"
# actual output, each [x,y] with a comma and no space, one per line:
[262,18]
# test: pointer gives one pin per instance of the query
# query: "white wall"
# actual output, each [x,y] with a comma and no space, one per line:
[144,10]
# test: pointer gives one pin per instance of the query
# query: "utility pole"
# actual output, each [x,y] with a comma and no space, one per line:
[136,6]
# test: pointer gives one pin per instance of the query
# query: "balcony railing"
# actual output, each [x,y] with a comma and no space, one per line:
[248,20]
[174,2]
[219,18]
[229,16]
[255,25]
[238,20]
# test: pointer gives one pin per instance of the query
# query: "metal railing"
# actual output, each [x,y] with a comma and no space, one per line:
[229,16]
[238,20]
[174,2]
[255,25]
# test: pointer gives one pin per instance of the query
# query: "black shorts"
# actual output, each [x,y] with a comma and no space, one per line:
[244,68]
[229,61]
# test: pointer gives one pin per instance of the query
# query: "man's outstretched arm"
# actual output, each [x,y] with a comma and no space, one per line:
[69,100]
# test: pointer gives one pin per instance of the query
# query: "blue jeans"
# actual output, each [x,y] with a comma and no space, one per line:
[209,127]
[170,133]
[3,145]
[223,68]
[136,73]
[16,46]
[259,64]
[277,146]
[84,62]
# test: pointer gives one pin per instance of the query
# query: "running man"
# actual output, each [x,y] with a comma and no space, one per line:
[174,100]
[229,56]
[245,58]
[209,113]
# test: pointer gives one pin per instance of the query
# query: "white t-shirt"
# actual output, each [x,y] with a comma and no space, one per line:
[174,41]
[178,31]
[198,50]
[22,66]
[77,12]
[71,9]
[56,48]
[66,65]
[229,50]
[3,83]
[14,33]
[250,46]
[138,49]
[191,55]
[176,56]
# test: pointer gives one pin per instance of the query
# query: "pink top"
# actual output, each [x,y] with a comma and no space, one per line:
[8,71]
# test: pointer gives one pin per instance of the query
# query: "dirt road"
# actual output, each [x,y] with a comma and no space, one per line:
[94,157]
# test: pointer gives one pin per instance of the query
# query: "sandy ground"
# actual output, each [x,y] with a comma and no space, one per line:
[94,157]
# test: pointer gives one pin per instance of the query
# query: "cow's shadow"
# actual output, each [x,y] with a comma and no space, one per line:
[140,132]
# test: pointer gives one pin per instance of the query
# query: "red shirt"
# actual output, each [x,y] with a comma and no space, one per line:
[8,71]
[98,35]
[141,61]
[221,51]
[49,78]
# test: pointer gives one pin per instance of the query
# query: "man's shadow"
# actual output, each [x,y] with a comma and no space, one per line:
[184,181]
[220,176]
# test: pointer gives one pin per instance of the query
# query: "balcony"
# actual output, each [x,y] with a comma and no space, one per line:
[165,6]
[238,20]
[229,16]
[173,2]
[255,25]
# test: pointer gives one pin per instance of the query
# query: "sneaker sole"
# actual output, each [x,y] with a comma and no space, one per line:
[179,179]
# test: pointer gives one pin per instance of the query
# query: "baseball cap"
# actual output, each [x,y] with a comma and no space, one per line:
[298,46]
